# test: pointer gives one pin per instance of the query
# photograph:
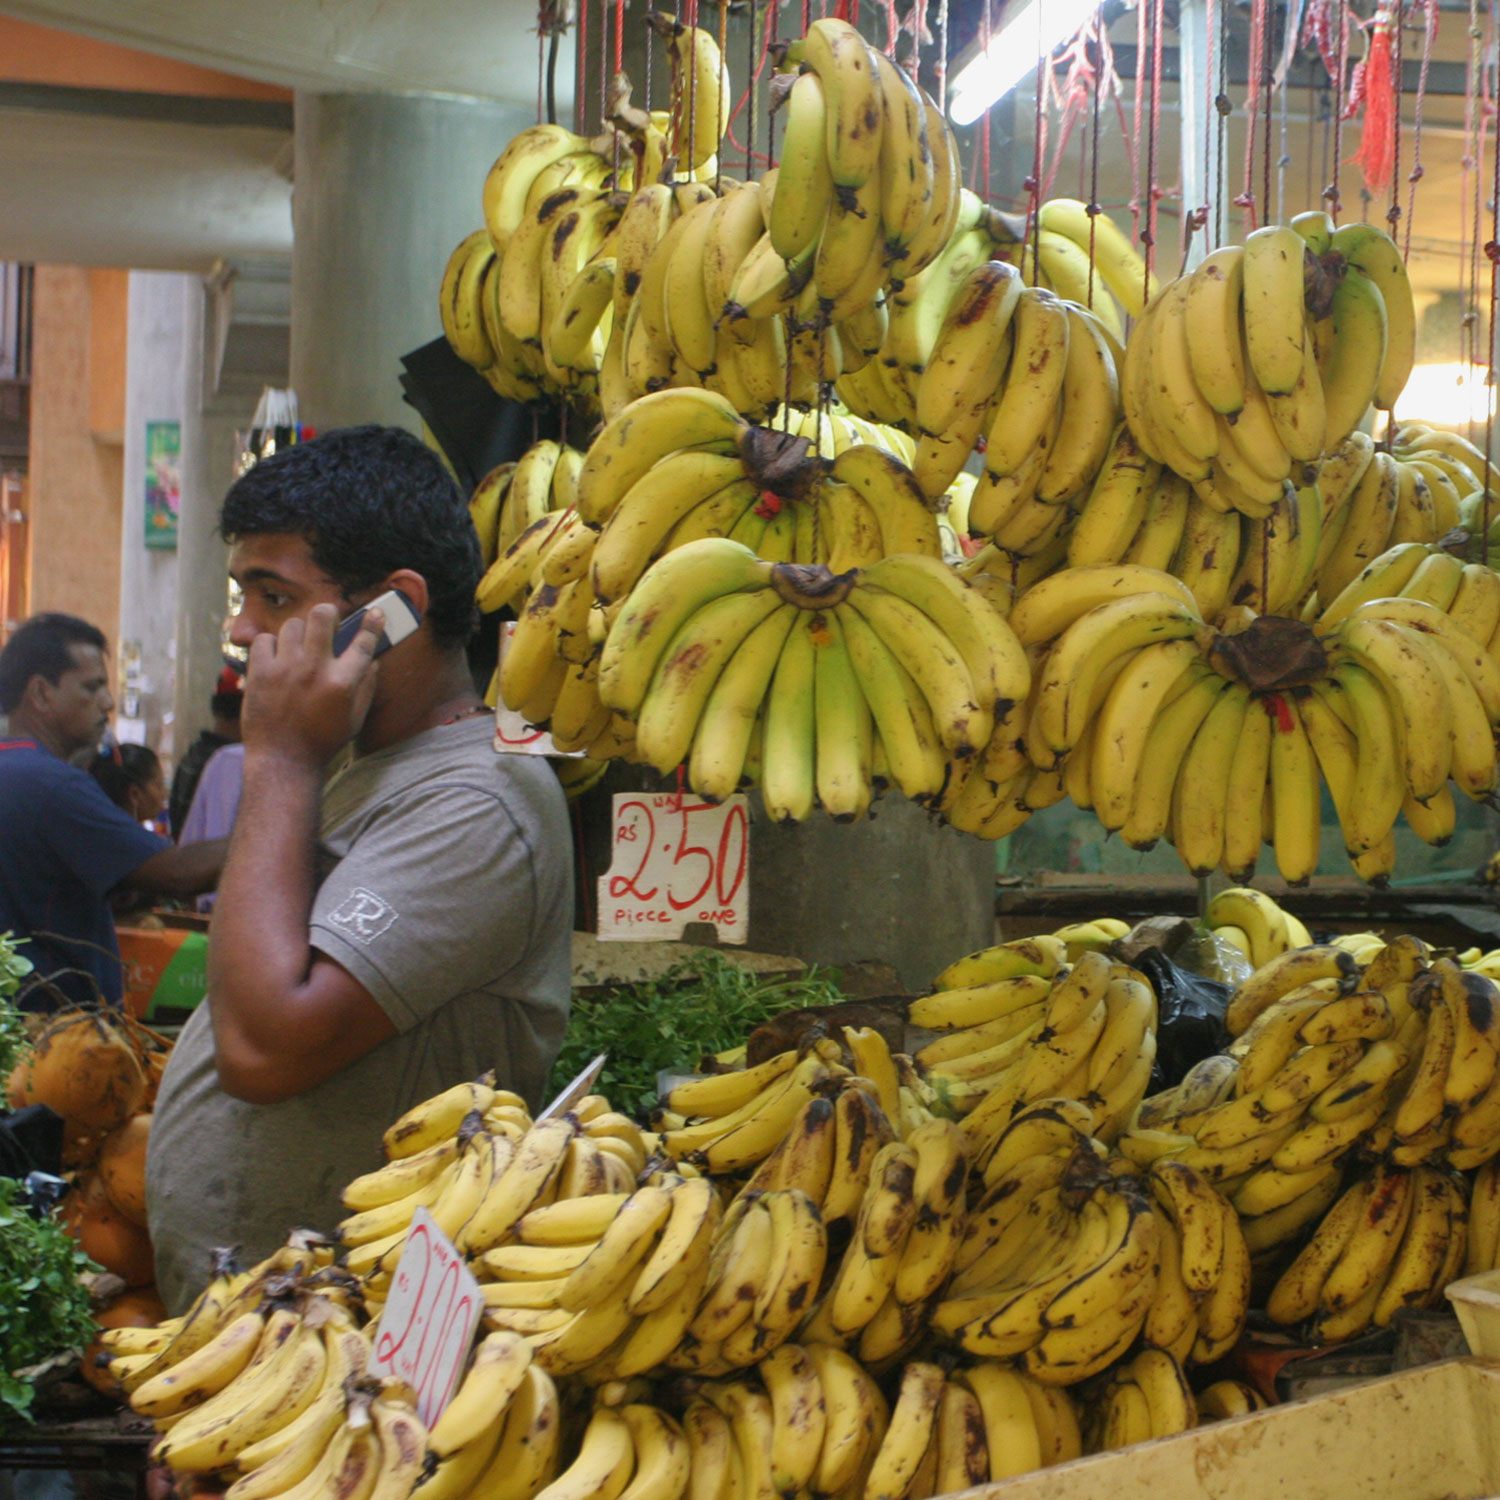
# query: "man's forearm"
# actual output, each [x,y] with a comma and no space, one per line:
[185,870]
[259,954]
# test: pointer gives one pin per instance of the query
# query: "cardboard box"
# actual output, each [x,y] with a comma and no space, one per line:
[1431,1433]
[166,972]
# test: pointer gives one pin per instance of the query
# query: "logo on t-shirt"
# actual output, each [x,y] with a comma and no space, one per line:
[363,915]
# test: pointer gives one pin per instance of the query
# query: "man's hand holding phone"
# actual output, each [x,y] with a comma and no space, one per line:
[302,701]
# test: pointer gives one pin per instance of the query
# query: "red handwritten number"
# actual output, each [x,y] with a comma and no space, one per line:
[735,821]
[388,1348]
[425,1349]
[623,885]
[527,736]
[686,850]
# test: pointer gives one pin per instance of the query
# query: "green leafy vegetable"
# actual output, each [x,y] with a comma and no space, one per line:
[13,969]
[44,1308]
[703,1004]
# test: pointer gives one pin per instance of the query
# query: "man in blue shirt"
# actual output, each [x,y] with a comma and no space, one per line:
[64,846]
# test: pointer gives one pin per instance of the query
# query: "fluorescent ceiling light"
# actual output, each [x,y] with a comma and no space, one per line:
[1447,394]
[1036,28]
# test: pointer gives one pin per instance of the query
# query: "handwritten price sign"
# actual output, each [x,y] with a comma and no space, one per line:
[676,860]
[428,1321]
[513,735]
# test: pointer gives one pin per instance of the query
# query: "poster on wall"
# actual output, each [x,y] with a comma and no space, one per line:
[163,483]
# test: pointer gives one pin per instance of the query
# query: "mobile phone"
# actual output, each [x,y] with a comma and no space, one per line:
[401,620]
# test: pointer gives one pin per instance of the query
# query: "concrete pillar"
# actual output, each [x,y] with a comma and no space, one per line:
[208,459]
[386,186]
[897,887]
[163,374]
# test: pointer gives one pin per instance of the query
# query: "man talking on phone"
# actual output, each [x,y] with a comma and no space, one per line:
[395,912]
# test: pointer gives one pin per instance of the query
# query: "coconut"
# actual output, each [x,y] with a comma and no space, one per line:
[84,1067]
[122,1167]
[104,1234]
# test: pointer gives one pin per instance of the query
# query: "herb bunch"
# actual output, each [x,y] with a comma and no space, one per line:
[702,1005]
[13,969]
[44,1307]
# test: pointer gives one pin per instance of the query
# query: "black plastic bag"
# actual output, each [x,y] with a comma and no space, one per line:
[1190,1017]
[31,1140]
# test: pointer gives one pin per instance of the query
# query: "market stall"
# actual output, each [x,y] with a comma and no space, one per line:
[880,471]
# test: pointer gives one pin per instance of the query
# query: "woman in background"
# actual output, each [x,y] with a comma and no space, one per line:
[132,778]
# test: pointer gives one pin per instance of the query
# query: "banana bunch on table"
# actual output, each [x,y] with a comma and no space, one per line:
[1059,1262]
[1140,1399]
[501,1432]
[1394,1058]
[1268,356]
[980,1422]
[901,1250]
[262,1375]
[1085,1032]
[472,1157]
[1203,1292]
[1394,1239]
[616,1283]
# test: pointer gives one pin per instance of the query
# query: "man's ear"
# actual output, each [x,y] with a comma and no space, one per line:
[412,584]
[38,693]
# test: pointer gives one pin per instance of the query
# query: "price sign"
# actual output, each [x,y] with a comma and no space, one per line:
[428,1321]
[513,735]
[676,859]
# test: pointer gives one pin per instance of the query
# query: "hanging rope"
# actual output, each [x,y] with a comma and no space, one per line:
[1153,192]
[1137,112]
[1038,157]
[1429,36]
[984,124]
[1492,251]
[1210,20]
[603,61]
[1093,198]
[942,58]
[752,72]
[723,52]
[1331,192]
[692,85]
[1393,213]
[649,49]
[1469,213]
[541,78]
[1223,108]
[1246,199]
[1266,90]
[1284,157]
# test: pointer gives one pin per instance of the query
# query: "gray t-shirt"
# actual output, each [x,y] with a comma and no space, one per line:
[447,892]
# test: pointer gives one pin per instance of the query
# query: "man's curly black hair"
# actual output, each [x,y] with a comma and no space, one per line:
[368,500]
